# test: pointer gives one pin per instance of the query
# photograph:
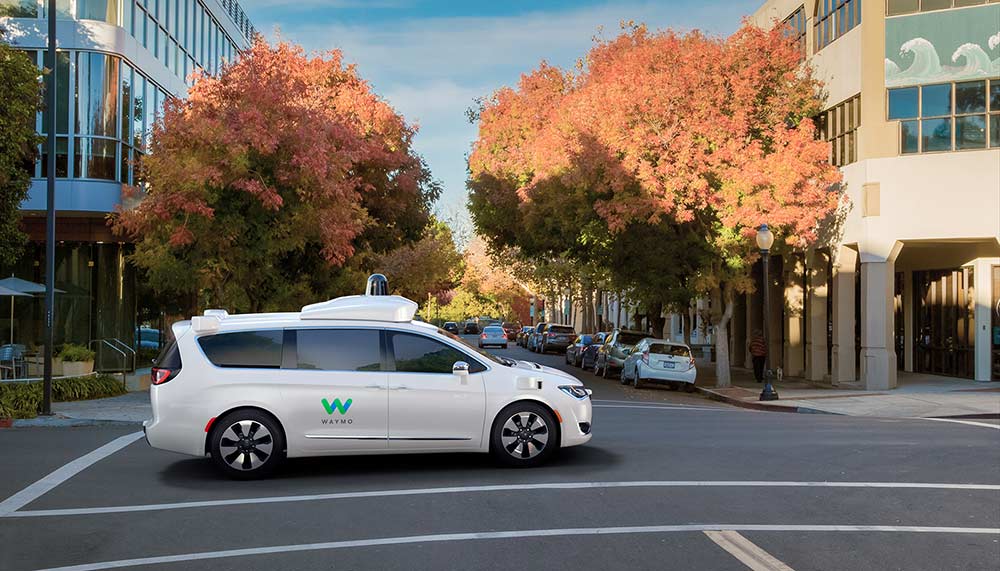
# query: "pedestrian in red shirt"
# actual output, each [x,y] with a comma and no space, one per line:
[758,351]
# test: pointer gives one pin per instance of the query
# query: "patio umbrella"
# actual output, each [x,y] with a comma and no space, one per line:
[12,293]
[20,288]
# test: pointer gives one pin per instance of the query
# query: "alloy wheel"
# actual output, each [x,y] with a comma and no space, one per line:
[524,435]
[246,445]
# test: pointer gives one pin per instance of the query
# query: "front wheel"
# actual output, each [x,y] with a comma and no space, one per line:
[524,434]
[247,444]
[604,371]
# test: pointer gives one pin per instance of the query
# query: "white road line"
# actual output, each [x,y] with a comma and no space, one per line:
[746,551]
[46,484]
[968,422]
[519,534]
[520,488]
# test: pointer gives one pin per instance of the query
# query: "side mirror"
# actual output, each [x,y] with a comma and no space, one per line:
[460,368]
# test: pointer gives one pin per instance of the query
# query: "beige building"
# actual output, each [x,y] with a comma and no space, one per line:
[913,282]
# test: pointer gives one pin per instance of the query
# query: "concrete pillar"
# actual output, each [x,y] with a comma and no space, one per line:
[983,268]
[844,274]
[794,297]
[878,353]
[908,334]
[816,349]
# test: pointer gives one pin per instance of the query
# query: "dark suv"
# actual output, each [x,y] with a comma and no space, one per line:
[556,338]
[611,356]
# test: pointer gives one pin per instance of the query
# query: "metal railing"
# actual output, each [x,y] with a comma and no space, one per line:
[124,353]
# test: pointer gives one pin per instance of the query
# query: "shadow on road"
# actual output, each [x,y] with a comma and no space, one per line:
[195,472]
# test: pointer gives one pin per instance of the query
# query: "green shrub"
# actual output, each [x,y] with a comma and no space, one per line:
[75,353]
[24,400]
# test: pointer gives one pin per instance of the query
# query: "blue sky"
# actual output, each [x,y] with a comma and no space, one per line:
[430,59]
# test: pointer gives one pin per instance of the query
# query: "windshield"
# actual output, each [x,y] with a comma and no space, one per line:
[493,358]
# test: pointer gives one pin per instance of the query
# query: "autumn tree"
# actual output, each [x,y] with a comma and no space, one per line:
[19,100]
[274,180]
[707,136]
[427,267]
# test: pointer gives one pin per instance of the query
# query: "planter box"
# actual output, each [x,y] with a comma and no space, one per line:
[77,368]
[6,422]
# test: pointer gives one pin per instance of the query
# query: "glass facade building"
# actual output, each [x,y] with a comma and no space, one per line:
[118,62]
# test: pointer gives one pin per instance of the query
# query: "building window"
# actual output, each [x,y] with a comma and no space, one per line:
[834,18]
[898,7]
[795,29]
[839,125]
[947,116]
[18,9]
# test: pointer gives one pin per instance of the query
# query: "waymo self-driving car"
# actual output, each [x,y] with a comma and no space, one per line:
[353,375]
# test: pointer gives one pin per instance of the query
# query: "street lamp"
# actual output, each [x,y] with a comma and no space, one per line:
[765,238]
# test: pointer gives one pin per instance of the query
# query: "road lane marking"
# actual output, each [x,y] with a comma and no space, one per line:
[967,422]
[495,488]
[746,551]
[60,475]
[518,534]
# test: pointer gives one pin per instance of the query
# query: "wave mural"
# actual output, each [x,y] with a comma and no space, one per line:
[951,45]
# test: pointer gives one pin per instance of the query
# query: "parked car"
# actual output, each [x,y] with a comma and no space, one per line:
[575,350]
[535,335]
[451,327]
[588,355]
[251,390]
[484,322]
[660,361]
[492,335]
[612,354]
[555,338]
[511,328]
[522,335]
[470,328]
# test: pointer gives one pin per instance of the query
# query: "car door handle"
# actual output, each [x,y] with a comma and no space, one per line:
[377,387]
[399,388]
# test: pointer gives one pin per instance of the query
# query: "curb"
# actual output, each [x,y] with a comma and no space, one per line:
[981,416]
[761,405]
[65,422]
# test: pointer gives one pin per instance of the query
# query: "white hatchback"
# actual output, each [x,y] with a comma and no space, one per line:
[354,375]
[660,361]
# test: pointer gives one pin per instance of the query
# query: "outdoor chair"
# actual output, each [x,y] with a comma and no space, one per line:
[12,361]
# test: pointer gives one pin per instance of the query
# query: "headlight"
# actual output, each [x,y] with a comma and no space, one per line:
[576,391]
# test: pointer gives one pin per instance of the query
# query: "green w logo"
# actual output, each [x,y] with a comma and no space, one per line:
[337,405]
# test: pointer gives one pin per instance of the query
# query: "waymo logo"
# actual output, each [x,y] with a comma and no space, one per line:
[337,405]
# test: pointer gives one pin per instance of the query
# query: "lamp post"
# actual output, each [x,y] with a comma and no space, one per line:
[765,238]
[50,212]
[531,311]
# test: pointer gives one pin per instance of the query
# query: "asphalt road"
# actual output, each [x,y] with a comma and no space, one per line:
[670,481]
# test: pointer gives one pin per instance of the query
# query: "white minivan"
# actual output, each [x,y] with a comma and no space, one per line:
[353,375]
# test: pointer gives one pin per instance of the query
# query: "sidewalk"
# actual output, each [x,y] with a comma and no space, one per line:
[923,396]
[128,409]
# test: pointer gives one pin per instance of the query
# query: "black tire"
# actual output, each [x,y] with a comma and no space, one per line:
[504,346]
[604,371]
[622,378]
[637,382]
[511,452]
[254,421]
[689,387]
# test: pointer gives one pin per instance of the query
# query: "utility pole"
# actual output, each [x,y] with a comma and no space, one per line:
[50,215]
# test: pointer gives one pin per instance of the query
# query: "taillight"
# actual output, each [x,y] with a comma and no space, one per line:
[552,335]
[158,376]
[645,357]
[483,336]
[690,363]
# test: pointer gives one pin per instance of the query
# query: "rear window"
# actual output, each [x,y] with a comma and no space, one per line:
[338,349]
[244,349]
[630,338]
[169,357]
[493,329]
[673,350]
[563,329]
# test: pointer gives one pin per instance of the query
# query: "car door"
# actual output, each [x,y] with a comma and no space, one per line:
[336,390]
[430,406]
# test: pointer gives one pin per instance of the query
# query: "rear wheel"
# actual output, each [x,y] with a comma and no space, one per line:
[604,371]
[524,434]
[247,444]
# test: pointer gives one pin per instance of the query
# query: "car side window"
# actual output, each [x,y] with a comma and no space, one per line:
[338,349]
[244,349]
[419,354]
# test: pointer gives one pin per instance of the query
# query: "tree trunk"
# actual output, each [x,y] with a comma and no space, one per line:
[722,375]
[656,320]
[688,326]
